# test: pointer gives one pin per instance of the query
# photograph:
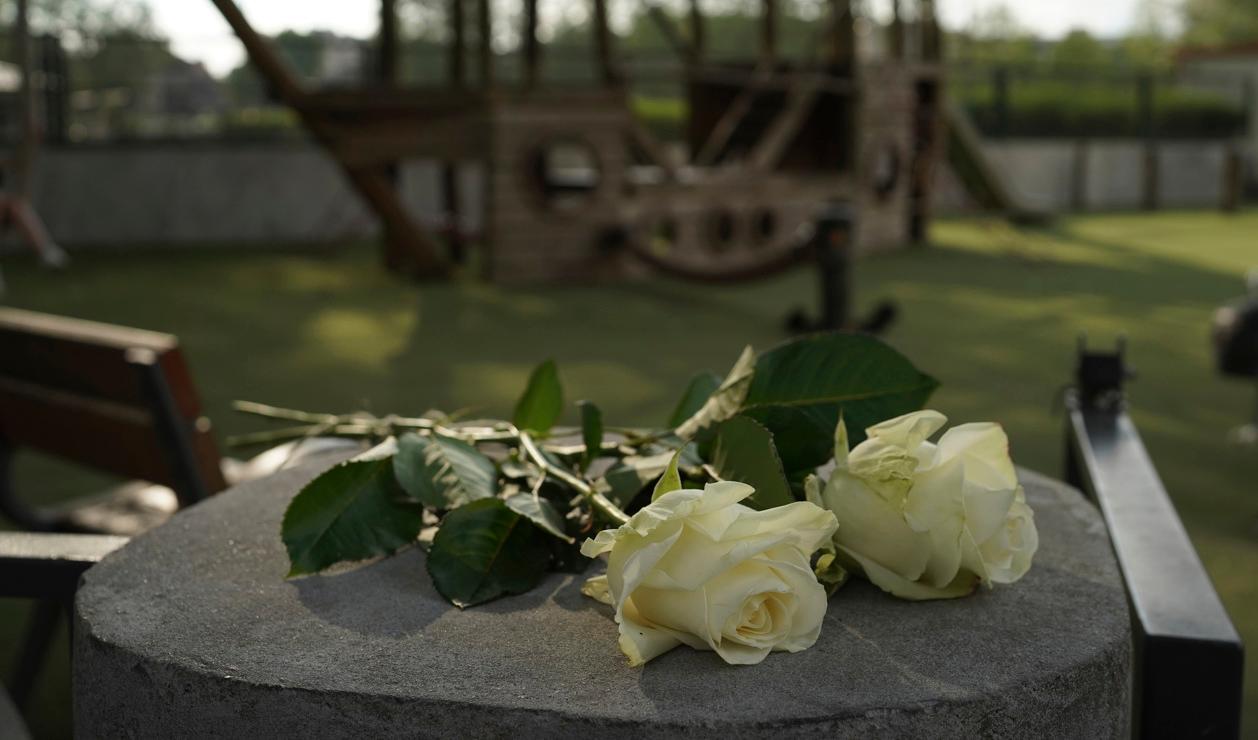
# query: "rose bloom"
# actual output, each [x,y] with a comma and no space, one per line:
[930,521]
[699,568]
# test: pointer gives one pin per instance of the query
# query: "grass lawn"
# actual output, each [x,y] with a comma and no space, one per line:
[993,312]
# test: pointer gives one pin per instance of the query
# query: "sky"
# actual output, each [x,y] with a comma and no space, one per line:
[199,32]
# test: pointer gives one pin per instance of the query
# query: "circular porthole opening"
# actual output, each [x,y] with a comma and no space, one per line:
[720,230]
[764,226]
[662,238]
[566,173]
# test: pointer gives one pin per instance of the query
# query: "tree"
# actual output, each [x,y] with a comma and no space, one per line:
[1215,22]
[1079,49]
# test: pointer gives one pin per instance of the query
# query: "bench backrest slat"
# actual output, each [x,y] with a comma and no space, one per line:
[75,389]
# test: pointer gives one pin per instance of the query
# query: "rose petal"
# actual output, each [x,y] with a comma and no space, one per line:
[910,430]
[596,588]
[985,449]
[870,525]
[889,581]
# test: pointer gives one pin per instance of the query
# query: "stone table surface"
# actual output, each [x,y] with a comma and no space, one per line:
[192,631]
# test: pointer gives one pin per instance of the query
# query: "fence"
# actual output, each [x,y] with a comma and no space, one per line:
[1102,101]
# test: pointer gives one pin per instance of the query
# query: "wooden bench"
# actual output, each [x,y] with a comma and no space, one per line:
[115,399]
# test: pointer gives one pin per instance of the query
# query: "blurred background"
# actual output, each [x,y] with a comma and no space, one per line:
[1098,175]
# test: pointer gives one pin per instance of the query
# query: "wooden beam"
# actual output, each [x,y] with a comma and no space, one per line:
[932,34]
[733,116]
[843,34]
[458,44]
[28,135]
[603,51]
[387,68]
[407,247]
[669,31]
[698,35]
[532,45]
[485,41]
[800,101]
[896,31]
[768,31]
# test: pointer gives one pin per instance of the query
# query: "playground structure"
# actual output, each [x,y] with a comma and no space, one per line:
[23,139]
[576,188]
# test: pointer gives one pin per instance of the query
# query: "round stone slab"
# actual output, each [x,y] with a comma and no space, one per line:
[192,631]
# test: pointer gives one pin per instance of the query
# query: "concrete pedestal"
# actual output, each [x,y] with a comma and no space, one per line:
[192,631]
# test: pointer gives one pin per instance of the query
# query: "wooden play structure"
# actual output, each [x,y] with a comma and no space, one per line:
[22,140]
[576,188]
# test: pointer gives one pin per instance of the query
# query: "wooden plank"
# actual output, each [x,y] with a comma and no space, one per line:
[39,565]
[799,105]
[729,121]
[85,357]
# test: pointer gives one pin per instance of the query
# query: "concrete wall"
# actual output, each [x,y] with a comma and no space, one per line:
[218,194]
[267,194]
[1057,175]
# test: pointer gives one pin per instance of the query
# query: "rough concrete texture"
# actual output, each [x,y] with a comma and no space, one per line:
[192,631]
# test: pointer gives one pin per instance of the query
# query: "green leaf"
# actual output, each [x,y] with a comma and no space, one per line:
[830,572]
[591,432]
[670,481]
[726,400]
[700,389]
[743,450]
[799,389]
[542,403]
[485,550]
[352,511]
[443,473]
[539,511]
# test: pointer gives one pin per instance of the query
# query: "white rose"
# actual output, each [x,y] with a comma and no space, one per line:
[927,521]
[699,568]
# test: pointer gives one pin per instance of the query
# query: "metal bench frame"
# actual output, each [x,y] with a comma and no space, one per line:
[1188,658]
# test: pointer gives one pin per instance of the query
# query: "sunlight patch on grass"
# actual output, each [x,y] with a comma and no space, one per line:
[363,339]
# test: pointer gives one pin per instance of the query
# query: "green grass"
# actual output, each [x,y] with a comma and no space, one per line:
[993,312]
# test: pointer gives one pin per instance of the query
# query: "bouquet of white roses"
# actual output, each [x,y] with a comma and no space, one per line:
[730,527]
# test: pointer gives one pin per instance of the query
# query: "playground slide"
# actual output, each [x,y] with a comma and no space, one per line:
[981,178]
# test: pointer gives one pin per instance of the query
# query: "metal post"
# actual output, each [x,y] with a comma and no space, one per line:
[768,32]
[458,44]
[387,49]
[603,45]
[453,212]
[532,45]
[1148,130]
[698,34]
[897,31]
[1188,660]
[834,263]
[843,32]
[485,50]
[1000,100]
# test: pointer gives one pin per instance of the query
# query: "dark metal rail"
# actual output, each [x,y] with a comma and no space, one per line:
[1188,657]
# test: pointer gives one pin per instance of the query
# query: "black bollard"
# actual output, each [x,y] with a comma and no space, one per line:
[831,245]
